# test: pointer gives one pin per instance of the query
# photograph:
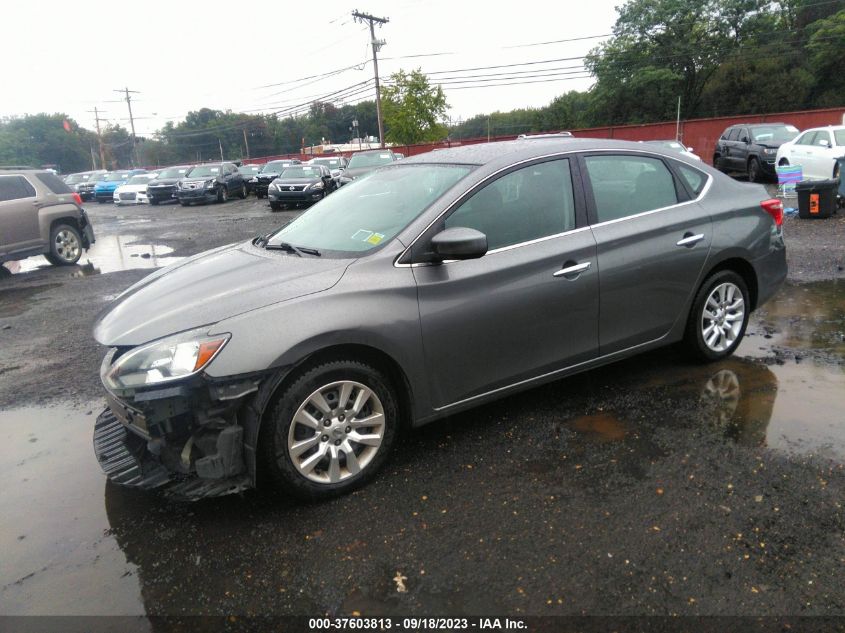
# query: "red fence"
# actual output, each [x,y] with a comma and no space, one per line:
[700,134]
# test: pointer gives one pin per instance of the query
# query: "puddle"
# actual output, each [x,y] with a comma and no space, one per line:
[18,300]
[58,558]
[807,316]
[110,253]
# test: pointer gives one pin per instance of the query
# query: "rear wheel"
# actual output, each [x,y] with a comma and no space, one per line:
[754,173]
[330,431]
[836,171]
[719,316]
[65,245]
[275,206]
[243,192]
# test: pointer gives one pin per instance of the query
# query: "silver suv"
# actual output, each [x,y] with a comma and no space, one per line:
[40,215]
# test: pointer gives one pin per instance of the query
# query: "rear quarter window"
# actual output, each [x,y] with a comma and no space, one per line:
[53,182]
[15,188]
[694,179]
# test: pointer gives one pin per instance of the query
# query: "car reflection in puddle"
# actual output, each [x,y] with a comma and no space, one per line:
[110,253]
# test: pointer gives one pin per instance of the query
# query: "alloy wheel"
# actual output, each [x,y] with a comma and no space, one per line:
[336,432]
[67,245]
[722,317]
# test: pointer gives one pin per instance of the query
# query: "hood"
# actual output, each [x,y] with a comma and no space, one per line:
[109,186]
[198,179]
[296,181]
[163,181]
[358,171]
[129,188]
[210,287]
[773,144]
[269,174]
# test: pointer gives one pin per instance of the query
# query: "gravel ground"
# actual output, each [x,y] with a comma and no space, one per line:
[622,491]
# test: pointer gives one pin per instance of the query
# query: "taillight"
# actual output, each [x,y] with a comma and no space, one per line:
[774,208]
[77,198]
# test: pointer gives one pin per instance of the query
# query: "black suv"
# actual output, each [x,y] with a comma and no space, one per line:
[163,187]
[751,148]
[269,173]
[301,184]
[210,182]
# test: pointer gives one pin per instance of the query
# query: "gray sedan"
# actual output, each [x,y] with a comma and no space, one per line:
[429,286]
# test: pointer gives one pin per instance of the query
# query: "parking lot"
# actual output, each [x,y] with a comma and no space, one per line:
[650,487]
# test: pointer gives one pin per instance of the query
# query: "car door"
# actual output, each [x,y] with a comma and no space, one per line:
[821,155]
[739,152]
[799,154]
[652,241]
[526,308]
[729,148]
[19,205]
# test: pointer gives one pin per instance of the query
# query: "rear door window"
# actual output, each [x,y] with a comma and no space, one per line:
[53,182]
[733,134]
[624,185]
[808,138]
[15,188]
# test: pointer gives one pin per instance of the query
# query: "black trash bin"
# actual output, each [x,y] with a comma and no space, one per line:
[816,198]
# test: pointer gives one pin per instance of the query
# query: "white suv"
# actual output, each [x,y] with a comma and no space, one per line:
[816,150]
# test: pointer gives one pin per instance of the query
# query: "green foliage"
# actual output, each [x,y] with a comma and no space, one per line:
[413,109]
[41,139]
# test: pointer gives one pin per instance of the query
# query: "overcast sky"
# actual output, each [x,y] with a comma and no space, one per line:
[181,56]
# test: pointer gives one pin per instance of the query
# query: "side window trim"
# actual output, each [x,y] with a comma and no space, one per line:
[588,188]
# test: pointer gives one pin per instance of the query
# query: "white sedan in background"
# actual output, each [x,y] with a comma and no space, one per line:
[676,146]
[134,191]
[816,150]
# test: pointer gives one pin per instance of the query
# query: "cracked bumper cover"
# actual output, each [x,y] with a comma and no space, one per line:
[188,438]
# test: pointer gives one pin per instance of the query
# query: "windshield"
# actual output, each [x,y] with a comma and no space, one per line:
[140,180]
[370,160]
[115,176]
[331,163]
[774,133]
[173,172]
[249,169]
[372,210]
[74,179]
[275,166]
[839,135]
[301,171]
[203,170]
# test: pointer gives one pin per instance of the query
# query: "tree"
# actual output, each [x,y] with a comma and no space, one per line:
[413,109]
[826,50]
[42,139]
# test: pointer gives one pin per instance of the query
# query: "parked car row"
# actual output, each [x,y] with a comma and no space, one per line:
[758,149]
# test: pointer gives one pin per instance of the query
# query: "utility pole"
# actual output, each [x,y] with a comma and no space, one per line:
[126,91]
[246,142]
[99,138]
[220,145]
[678,122]
[377,44]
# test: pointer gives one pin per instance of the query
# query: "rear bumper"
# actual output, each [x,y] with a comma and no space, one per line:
[771,269]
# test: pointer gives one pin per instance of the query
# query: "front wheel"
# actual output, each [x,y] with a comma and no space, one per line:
[222,194]
[754,173]
[154,201]
[65,245]
[275,206]
[330,431]
[243,193]
[719,316]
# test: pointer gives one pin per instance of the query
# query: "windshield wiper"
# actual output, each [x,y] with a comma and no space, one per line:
[290,248]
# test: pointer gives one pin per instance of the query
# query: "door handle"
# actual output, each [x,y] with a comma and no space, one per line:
[572,270]
[690,240]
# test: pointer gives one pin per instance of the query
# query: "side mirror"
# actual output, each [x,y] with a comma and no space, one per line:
[824,142]
[459,243]
[690,149]
[744,139]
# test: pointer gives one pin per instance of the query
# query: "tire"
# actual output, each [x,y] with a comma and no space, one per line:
[754,172]
[836,172]
[717,163]
[275,206]
[784,162]
[314,469]
[185,204]
[222,194]
[711,338]
[65,245]
[242,195]
[154,201]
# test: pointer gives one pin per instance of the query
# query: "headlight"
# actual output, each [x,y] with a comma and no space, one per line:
[208,184]
[317,185]
[273,187]
[768,150]
[253,179]
[164,360]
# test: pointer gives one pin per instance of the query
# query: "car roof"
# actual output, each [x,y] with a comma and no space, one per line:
[518,150]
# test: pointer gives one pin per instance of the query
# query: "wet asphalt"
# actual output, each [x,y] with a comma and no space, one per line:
[650,487]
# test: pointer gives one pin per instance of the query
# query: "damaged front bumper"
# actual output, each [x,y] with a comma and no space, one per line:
[188,438]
